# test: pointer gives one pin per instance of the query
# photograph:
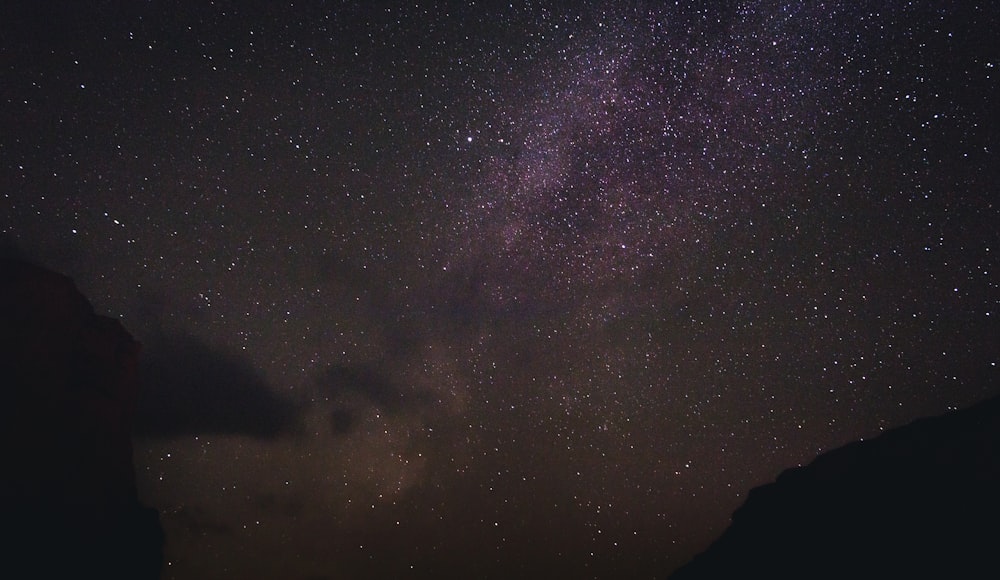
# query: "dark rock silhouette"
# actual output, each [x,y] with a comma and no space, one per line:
[919,501]
[69,383]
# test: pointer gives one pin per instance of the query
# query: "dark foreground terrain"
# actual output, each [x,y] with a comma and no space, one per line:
[919,501]
[69,384]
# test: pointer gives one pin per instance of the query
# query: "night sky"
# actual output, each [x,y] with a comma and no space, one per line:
[477,289]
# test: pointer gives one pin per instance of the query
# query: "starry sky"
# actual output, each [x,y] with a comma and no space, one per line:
[478,289]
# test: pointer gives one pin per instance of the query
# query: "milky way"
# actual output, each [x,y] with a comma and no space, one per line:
[507,290]
[642,134]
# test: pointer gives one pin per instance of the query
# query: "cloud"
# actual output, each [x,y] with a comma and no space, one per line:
[288,505]
[198,521]
[353,388]
[9,248]
[366,381]
[342,420]
[191,387]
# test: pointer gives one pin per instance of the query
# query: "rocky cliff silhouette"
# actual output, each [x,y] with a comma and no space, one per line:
[69,383]
[919,501]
